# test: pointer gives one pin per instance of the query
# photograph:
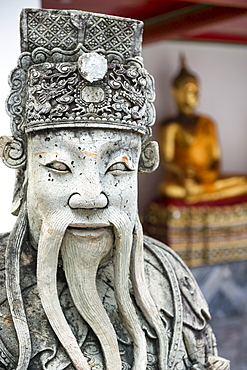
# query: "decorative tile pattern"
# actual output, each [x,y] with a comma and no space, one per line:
[51,30]
[205,234]
[231,337]
[66,29]
[109,34]
[225,289]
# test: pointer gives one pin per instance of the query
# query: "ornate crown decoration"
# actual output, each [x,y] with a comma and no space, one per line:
[80,69]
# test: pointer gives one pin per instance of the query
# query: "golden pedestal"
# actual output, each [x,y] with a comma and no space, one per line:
[204,233]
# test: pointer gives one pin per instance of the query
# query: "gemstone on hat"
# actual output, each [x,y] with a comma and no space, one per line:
[92,66]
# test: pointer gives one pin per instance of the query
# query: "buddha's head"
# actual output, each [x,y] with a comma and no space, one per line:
[81,124]
[185,89]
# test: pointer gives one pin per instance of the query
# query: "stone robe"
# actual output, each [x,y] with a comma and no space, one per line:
[180,303]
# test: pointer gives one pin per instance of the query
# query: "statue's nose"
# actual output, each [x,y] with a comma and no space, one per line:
[88,200]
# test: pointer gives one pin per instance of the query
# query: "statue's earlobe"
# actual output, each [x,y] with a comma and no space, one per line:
[3,141]
[12,152]
[149,158]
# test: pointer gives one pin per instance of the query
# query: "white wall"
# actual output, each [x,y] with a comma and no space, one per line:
[223,73]
[10,50]
[222,70]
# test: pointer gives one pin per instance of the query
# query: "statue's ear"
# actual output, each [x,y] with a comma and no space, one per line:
[13,155]
[149,158]
[12,152]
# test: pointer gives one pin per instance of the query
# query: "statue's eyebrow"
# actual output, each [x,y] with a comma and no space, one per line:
[127,160]
[124,159]
[90,154]
[39,153]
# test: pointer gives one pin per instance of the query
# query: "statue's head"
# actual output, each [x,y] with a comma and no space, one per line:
[81,107]
[185,88]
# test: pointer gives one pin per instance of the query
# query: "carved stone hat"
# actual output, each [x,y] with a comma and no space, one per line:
[80,69]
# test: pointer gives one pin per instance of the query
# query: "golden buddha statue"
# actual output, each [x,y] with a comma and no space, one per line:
[190,149]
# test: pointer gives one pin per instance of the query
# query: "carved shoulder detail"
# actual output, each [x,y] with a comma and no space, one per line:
[6,358]
[195,308]
[3,243]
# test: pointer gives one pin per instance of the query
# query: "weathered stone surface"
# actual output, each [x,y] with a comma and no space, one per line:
[80,287]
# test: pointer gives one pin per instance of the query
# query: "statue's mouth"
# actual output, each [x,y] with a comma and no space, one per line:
[88,231]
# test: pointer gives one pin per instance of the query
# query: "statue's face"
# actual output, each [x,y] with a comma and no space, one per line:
[83,171]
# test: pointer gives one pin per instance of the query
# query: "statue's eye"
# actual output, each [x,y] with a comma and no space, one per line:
[118,168]
[58,166]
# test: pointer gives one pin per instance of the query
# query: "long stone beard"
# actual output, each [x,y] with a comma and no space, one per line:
[81,259]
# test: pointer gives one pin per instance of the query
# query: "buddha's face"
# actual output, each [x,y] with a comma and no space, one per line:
[186,96]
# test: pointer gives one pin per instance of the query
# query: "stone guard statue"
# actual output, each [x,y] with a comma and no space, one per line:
[81,288]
